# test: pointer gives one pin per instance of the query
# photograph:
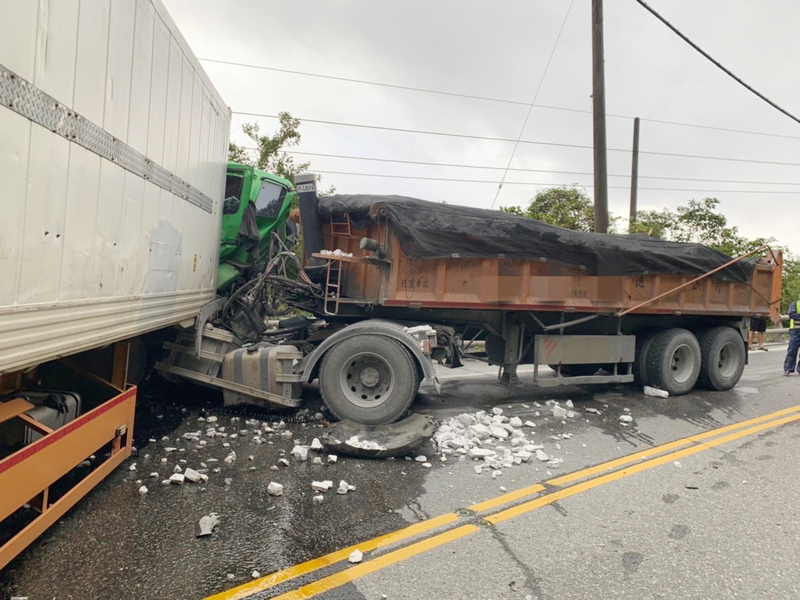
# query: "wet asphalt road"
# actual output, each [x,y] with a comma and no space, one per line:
[634,538]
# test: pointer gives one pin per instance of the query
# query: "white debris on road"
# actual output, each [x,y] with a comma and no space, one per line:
[332,458]
[491,439]
[207,524]
[655,392]
[364,444]
[300,453]
[231,458]
[317,499]
[275,489]
[345,487]
[177,478]
[192,475]
[321,486]
[356,556]
[143,490]
[626,418]
[316,445]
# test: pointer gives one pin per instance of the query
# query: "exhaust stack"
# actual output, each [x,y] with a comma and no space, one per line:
[313,240]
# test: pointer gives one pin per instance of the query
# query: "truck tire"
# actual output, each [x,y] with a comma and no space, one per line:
[643,343]
[417,370]
[722,356]
[369,379]
[673,361]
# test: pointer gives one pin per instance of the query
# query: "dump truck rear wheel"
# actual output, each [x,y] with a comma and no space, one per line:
[722,358]
[368,379]
[643,342]
[673,361]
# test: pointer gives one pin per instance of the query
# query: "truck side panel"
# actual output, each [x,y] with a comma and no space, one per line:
[98,245]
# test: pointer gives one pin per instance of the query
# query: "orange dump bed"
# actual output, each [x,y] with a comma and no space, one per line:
[525,285]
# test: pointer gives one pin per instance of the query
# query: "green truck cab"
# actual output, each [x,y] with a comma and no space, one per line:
[256,204]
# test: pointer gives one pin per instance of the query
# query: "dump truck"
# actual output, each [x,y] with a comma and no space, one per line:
[389,285]
[113,158]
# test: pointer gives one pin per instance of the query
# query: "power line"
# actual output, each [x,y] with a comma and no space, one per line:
[511,140]
[501,100]
[533,103]
[550,183]
[365,82]
[520,170]
[717,63]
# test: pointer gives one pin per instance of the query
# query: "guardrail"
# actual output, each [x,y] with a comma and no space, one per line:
[779,330]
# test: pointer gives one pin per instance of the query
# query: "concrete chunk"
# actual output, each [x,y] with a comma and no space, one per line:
[275,489]
[300,453]
[177,478]
[655,392]
[192,475]
[231,458]
[321,486]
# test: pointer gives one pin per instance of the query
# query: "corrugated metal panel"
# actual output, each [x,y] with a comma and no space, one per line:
[61,329]
[91,252]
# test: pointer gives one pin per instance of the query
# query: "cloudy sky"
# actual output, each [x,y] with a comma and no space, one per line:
[497,53]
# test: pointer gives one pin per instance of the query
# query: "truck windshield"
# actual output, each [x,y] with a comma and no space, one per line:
[270,200]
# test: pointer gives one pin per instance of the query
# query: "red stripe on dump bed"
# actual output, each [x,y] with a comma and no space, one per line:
[42,443]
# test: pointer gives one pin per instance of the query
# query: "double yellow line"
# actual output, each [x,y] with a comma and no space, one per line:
[589,478]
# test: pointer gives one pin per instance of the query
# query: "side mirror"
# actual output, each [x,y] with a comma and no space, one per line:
[231,205]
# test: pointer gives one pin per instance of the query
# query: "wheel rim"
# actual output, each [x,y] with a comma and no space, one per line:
[367,380]
[727,362]
[682,363]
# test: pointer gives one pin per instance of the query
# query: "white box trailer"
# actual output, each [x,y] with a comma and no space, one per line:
[113,151]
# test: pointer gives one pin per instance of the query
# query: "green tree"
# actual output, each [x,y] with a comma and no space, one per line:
[270,152]
[699,221]
[565,206]
[791,282]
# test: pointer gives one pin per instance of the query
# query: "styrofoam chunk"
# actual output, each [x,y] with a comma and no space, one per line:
[626,418]
[275,489]
[316,445]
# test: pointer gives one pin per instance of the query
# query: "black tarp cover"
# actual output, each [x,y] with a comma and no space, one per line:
[433,230]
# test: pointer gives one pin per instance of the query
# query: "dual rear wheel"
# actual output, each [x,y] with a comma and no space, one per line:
[675,360]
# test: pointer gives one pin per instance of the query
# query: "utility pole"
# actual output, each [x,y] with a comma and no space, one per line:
[599,109]
[634,173]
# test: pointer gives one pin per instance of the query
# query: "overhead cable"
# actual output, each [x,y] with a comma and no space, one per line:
[512,140]
[533,103]
[550,183]
[501,100]
[521,170]
[717,63]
